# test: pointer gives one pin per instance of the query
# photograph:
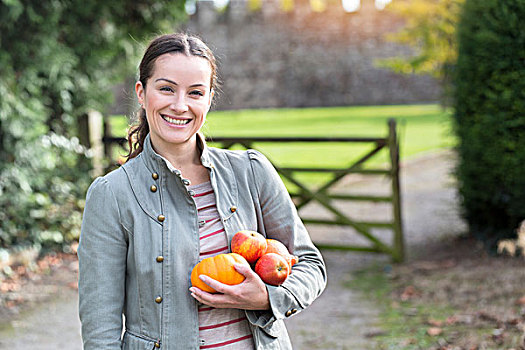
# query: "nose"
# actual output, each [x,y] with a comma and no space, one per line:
[179,105]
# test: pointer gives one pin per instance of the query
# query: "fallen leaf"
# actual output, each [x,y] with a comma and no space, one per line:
[409,341]
[43,264]
[10,286]
[451,320]
[434,331]
[435,323]
[409,293]
[21,270]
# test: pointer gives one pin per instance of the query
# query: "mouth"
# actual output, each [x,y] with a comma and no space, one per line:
[175,121]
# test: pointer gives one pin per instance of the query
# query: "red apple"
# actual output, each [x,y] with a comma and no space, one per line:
[250,244]
[272,268]
[274,246]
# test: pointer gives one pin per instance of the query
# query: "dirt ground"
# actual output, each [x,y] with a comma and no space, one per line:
[42,314]
[477,299]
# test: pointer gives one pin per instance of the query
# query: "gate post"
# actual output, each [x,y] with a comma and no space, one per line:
[95,127]
[398,253]
[108,146]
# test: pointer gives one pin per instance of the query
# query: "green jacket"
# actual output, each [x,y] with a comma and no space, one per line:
[140,240]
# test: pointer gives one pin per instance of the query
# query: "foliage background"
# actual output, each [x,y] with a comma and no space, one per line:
[58,60]
[430,30]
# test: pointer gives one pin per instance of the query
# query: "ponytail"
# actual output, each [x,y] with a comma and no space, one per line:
[137,135]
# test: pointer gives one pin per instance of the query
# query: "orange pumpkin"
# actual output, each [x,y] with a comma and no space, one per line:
[220,268]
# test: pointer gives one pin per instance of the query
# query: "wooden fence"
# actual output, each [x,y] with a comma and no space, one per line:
[305,195]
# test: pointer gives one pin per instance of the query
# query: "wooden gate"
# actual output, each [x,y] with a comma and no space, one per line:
[305,195]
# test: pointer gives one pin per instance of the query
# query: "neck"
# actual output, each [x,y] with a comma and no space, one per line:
[182,155]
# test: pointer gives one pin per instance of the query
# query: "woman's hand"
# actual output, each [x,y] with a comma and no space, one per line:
[251,294]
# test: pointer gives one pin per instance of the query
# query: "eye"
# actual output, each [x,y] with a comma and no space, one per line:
[197,93]
[166,88]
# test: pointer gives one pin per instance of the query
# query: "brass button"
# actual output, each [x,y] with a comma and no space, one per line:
[233,209]
[158,300]
[161,218]
[293,311]
[155,176]
[160,258]
[157,344]
[186,182]
[177,172]
[191,193]
[288,313]
[153,188]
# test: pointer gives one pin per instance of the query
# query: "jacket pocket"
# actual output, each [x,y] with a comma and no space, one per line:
[134,342]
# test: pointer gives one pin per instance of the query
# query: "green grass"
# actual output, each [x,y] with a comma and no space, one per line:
[421,128]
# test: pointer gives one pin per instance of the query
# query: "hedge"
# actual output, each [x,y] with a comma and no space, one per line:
[489,103]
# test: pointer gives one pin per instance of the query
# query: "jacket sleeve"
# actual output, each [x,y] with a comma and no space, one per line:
[102,269]
[281,221]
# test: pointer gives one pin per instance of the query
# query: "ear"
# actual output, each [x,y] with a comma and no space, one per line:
[139,90]
[212,93]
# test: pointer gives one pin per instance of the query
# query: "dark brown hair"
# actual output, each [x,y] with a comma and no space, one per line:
[170,43]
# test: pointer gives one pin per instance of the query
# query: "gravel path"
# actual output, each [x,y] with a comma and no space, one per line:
[341,318]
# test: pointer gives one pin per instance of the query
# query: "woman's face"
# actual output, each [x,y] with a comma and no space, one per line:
[177,98]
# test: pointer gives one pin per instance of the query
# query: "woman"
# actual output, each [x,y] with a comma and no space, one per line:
[173,203]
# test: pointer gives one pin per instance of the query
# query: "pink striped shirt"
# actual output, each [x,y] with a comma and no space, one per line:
[218,328]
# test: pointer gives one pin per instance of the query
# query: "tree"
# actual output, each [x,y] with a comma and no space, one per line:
[430,30]
[59,59]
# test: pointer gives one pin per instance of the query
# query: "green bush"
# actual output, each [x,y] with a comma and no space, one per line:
[41,194]
[490,117]
[58,60]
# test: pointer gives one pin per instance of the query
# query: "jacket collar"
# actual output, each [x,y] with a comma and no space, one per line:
[150,153]
[222,176]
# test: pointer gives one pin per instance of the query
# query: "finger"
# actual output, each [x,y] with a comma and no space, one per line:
[214,300]
[244,270]
[218,286]
[200,299]
[200,295]
[195,294]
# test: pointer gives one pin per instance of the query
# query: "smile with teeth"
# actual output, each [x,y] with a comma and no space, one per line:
[175,121]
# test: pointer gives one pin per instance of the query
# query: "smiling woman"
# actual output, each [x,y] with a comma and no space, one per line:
[166,66]
[175,202]
[176,100]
